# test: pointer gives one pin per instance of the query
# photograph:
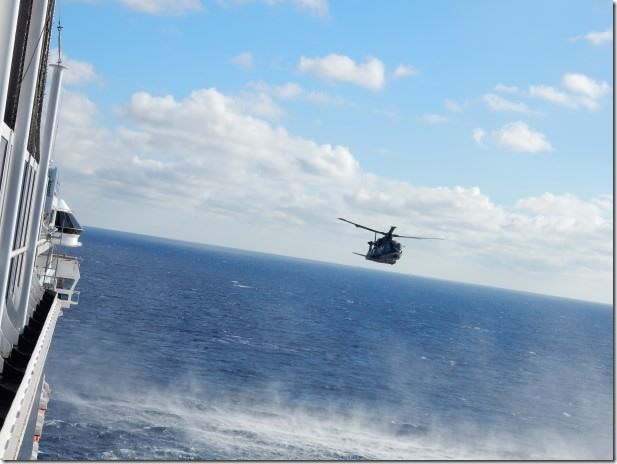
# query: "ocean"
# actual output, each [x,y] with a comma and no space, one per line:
[184,351]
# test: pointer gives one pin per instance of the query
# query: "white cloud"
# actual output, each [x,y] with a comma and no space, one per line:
[478,135]
[259,104]
[294,91]
[287,91]
[319,8]
[560,220]
[517,136]
[580,215]
[506,88]
[164,7]
[78,72]
[232,178]
[432,118]
[244,60]
[290,90]
[551,94]
[581,90]
[595,38]
[453,106]
[501,104]
[82,134]
[334,67]
[404,70]
[585,85]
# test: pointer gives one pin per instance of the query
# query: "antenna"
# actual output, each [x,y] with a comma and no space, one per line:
[60,32]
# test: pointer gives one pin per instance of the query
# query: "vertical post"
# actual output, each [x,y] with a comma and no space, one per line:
[40,184]
[20,147]
[49,201]
[8,24]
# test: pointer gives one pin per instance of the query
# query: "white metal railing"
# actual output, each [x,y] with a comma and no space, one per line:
[16,421]
[18,251]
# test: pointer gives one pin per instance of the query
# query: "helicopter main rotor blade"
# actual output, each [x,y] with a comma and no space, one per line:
[364,227]
[417,238]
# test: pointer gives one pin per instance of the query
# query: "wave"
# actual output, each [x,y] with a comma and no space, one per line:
[239,285]
[147,424]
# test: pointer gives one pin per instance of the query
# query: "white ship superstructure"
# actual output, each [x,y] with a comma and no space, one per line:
[37,277]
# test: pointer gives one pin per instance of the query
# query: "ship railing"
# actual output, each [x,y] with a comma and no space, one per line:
[15,424]
[75,297]
[58,235]
[52,280]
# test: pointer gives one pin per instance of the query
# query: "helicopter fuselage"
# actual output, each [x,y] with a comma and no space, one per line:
[384,251]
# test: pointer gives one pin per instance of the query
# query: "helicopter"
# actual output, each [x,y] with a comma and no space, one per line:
[385,249]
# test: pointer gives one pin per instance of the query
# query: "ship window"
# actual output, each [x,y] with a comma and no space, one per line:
[65,283]
[3,154]
[67,222]
[74,222]
[63,296]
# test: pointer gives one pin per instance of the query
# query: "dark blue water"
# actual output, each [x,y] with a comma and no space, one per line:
[180,351]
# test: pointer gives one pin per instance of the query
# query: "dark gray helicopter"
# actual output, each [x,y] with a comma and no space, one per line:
[385,249]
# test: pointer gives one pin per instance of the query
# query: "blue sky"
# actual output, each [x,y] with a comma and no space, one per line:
[489,123]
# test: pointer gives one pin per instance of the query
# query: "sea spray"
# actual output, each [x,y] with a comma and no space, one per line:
[167,359]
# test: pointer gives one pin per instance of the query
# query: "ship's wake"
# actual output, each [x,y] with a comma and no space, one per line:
[160,425]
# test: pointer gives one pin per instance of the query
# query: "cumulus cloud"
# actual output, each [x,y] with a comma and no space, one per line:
[244,60]
[517,136]
[287,91]
[560,220]
[453,106]
[585,85]
[335,67]
[319,8]
[551,94]
[579,90]
[506,88]
[82,134]
[78,72]
[220,169]
[498,103]
[478,135]
[404,70]
[432,118]
[259,104]
[595,38]
[294,91]
[164,7]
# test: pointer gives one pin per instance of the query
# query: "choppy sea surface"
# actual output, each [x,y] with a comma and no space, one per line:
[180,351]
